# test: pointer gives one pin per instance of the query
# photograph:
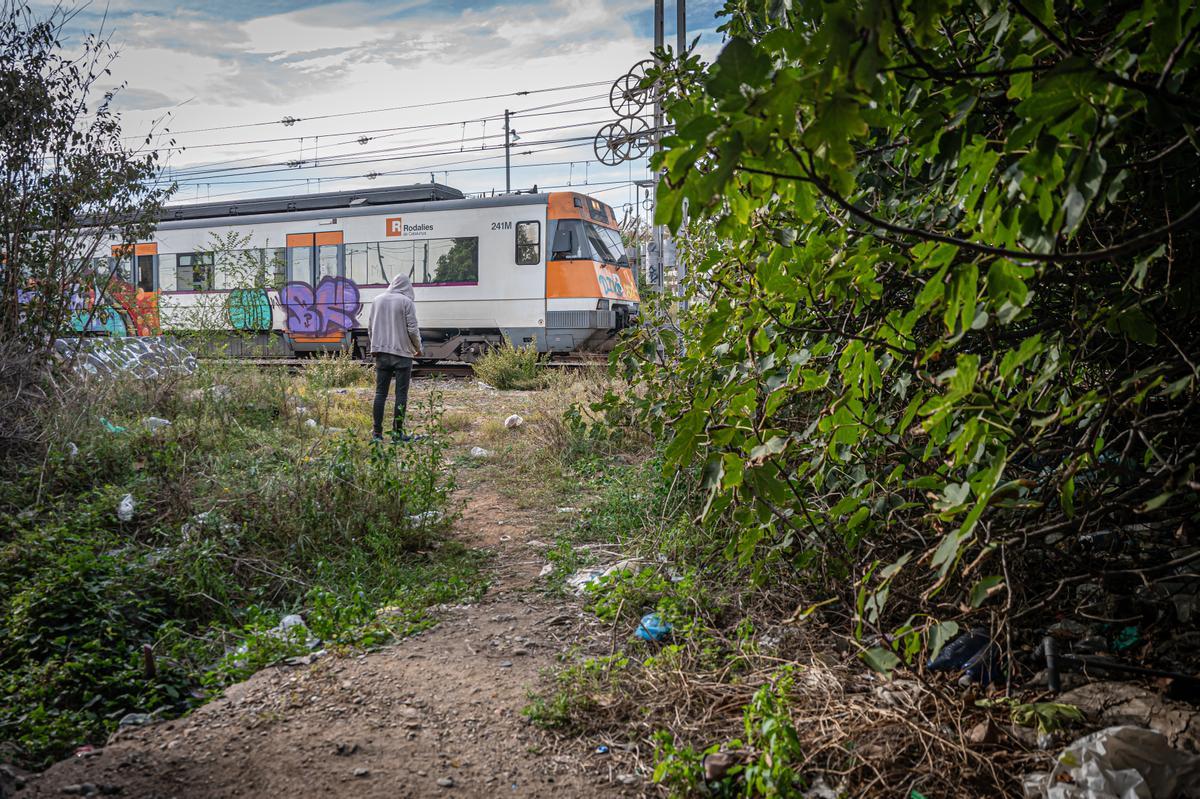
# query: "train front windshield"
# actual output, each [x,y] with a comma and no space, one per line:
[575,239]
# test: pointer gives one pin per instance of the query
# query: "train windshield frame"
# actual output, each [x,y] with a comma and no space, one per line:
[580,240]
[607,245]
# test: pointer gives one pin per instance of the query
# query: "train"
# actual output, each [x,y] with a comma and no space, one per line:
[297,274]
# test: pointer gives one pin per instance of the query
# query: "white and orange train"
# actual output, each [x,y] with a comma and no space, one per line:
[541,269]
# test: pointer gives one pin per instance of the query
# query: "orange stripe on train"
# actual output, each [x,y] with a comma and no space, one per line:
[573,279]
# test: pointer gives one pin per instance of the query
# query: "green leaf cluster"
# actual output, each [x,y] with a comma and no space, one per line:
[943,312]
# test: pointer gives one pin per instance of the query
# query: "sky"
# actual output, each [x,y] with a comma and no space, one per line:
[219,76]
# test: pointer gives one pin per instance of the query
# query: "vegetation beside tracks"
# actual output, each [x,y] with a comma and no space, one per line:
[243,511]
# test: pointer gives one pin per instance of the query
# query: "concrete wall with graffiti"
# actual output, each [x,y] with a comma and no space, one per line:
[147,357]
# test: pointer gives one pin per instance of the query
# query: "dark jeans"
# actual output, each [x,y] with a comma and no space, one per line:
[388,366]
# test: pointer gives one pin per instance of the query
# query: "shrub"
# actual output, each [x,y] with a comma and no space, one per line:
[940,335]
[510,368]
[336,370]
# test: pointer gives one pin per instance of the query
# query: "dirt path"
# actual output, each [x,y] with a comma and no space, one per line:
[437,714]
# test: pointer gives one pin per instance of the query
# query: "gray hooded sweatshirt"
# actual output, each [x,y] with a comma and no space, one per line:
[393,324]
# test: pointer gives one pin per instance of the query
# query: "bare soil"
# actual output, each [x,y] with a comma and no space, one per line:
[437,714]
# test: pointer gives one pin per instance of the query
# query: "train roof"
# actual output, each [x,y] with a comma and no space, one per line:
[325,201]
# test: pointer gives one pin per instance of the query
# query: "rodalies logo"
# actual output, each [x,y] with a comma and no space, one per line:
[396,227]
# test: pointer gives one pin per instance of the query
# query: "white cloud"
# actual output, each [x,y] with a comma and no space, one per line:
[352,56]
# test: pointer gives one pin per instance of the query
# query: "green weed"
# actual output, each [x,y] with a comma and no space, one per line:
[507,367]
[336,370]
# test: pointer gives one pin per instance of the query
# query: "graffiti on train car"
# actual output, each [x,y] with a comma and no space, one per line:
[330,309]
[117,309]
[248,309]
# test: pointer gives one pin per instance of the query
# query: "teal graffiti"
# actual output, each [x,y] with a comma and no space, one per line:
[103,319]
[248,309]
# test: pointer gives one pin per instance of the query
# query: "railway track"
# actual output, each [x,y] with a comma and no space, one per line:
[449,369]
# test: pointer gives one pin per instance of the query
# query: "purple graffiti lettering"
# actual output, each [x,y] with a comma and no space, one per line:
[332,308]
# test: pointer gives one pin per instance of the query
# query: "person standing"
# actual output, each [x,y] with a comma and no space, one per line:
[395,342]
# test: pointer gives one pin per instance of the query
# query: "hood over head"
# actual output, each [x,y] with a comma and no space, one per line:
[402,284]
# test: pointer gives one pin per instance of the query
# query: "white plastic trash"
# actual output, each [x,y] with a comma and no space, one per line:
[72,450]
[580,580]
[513,422]
[154,422]
[1118,763]
[310,422]
[479,452]
[125,508]
[428,517]
[546,570]
[290,621]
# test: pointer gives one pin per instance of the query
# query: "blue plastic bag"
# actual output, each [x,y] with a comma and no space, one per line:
[653,627]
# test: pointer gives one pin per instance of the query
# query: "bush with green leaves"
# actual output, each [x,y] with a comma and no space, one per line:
[942,350]
[507,367]
[336,370]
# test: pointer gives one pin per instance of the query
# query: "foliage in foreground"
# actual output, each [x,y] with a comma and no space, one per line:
[242,513]
[941,349]
[62,161]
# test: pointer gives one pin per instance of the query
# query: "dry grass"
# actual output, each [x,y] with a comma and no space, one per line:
[493,431]
[455,421]
[867,737]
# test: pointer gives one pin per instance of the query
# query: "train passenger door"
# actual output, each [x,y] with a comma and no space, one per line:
[315,297]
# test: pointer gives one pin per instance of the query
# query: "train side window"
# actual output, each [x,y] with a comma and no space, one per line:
[123,270]
[529,243]
[357,264]
[194,272]
[145,272]
[166,273]
[274,266]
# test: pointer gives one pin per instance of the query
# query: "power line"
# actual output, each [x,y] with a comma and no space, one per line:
[415,170]
[338,160]
[402,128]
[290,120]
[425,168]
[185,171]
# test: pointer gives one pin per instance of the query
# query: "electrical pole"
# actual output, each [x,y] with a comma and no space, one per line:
[680,27]
[657,259]
[507,148]
[681,48]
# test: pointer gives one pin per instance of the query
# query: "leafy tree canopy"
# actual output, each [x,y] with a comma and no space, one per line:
[67,179]
[945,322]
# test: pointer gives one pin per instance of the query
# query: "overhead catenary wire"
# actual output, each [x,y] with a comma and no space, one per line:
[424,168]
[353,135]
[361,139]
[288,121]
[383,155]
